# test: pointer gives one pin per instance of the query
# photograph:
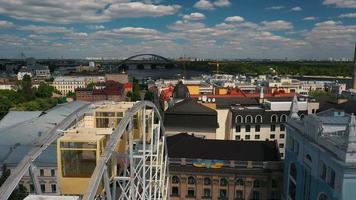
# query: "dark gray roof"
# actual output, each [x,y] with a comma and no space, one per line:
[226,102]
[326,103]
[186,146]
[15,117]
[190,116]
[180,91]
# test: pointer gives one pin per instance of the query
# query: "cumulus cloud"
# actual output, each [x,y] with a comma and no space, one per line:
[348,15]
[6,24]
[275,8]
[297,8]
[311,18]
[194,16]
[222,3]
[68,11]
[341,3]
[276,25]
[204,4]
[234,19]
[45,29]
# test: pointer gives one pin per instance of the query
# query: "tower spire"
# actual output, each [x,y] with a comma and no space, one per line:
[294,108]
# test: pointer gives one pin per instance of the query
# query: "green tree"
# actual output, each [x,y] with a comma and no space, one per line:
[71,95]
[91,85]
[26,88]
[149,95]
[20,192]
[44,91]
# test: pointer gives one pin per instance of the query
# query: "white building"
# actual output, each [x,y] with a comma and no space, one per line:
[66,84]
[24,71]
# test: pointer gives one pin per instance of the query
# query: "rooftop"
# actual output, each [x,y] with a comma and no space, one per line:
[187,146]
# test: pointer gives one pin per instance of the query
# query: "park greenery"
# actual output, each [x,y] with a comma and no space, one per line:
[135,95]
[28,98]
[281,68]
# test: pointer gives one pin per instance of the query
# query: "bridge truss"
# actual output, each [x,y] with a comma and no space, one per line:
[142,171]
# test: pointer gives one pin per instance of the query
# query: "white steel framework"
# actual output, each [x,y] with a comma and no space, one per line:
[144,174]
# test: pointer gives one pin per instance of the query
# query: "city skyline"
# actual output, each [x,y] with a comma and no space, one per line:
[200,28]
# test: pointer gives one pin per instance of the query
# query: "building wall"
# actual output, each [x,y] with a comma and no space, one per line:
[254,180]
[222,117]
[193,89]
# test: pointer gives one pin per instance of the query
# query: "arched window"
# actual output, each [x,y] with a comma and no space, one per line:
[283,118]
[323,196]
[301,116]
[191,180]
[175,179]
[239,119]
[223,182]
[256,184]
[274,118]
[207,181]
[239,181]
[258,119]
[248,119]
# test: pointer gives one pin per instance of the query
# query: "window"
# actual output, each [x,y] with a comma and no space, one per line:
[272,136]
[249,119]
[54,188]
[41,172]
[257,128]
[257,137]
[43,188]
[274,118]
[207,192]
[258,119]
[239,195]
[207,181]
[322,170]
[283,118]
[223,182]
[53,172]
[281,136]
[238,128]
[175,180]
[248,128]
[223,194]
[78,163]
[292,182]
[273,127]
[32,188]
[237,137]
[191,192]
[282,127]
[239,119]
[247,137]
[281,145]
[191,180]
[273,183]
[239,181]
[331,181]
[175,191]
[256,184]
[281,154]
[308,158]
[255,195]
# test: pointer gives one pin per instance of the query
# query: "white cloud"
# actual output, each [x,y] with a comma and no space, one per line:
[6,24]
[222,3]
[297,8]
[204,4]
[348,15]
[194,16]
[45,29]
[311,18]
[341,3]
[68,11]
[95,27]
[135,30]
[234,19]
[277,25]
[275,8]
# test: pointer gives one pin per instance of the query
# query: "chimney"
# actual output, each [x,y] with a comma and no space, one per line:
[354,71]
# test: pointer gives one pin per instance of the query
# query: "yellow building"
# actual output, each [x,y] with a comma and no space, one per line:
[79,149]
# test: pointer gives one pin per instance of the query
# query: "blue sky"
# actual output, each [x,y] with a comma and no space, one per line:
[197,28]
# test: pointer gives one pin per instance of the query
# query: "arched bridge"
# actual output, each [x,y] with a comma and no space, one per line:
[156,62]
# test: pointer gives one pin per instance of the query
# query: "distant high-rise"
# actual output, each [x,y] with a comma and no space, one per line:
[354,71]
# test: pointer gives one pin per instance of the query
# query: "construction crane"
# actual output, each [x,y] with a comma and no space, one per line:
[217,63]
